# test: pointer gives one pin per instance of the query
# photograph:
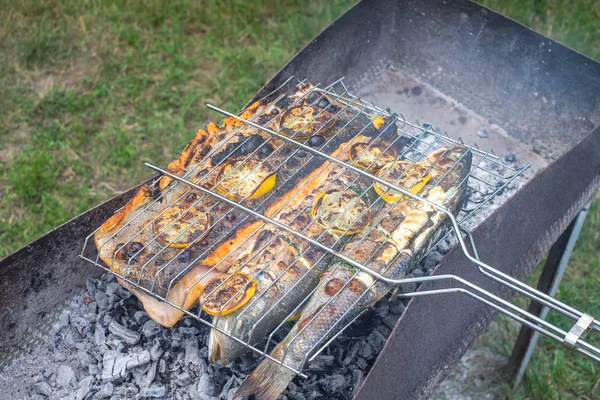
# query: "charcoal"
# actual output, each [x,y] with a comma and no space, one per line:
[408,287]
[102,301]
[140,317]
[106,390]
[150,375]
[365,350]
[157,349]
[382,308]
[100,336]
[131,391]
[333,383]
[128,336]
[482,133]
[63,319]
[84,358]
[203,352]
[192,357]
[115,344]
[322,363]
[361,363]
[397,307]
[162,366]
[77,301]
[112,288]
[43,388]
[356,381]
[183,379]
[116,365]
[350,354]
[93,369]
[207,386]
[65,376]
[84,387]
[59,357]
[188,330]
[154,391]
[384,330]
[314,395]
[247,363]
[90,286]
[151,329]
[390,321]
[297,396]
[80,324]
[510,157]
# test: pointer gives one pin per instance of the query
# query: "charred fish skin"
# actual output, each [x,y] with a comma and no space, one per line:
[287,270]
[344,291]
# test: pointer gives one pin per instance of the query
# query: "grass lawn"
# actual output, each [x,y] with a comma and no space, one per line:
[90,90]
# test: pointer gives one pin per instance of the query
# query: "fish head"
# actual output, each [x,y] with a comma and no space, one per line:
[230,338]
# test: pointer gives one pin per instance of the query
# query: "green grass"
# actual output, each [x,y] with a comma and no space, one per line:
[90,90]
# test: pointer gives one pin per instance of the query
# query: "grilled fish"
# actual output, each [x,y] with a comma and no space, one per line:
[161,237]
[329,204]
[406,230]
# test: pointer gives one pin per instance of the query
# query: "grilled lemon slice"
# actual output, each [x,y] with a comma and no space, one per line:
[370,157]
[246,179]
[342,212]
[405,174]
[231,291]
[304,122]
[181,226]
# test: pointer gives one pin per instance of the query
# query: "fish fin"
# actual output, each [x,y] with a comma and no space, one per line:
[214,346]
[266,382]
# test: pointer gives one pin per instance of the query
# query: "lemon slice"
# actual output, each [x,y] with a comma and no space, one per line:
[377,122]
[304,122]
[370,157]
[232,292]
[341,212]
[181,226]
[246,179]
[405,174]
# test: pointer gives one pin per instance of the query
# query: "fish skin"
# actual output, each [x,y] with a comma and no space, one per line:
[296,278]
[344,292]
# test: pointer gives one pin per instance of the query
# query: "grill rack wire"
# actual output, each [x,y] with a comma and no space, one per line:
[487,178]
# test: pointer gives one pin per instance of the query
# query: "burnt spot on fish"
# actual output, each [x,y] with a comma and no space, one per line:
[185,257]
[283,103]
[202,154]
[262,239]
[191,197]
[357,286]
[333,286]
[129,252]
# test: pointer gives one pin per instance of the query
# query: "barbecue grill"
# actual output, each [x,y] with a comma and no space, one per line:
[535,93]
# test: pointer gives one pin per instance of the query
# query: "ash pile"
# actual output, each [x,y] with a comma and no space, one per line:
[104,346]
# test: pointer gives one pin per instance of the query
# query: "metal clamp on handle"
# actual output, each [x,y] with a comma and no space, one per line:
[579,330]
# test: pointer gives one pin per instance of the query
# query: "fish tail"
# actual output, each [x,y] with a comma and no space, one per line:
[266,382]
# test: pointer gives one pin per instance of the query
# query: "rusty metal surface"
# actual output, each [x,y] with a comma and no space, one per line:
[538,90]
[37,279]
[434,332]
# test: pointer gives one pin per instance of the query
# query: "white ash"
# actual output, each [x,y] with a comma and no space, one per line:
[105,346]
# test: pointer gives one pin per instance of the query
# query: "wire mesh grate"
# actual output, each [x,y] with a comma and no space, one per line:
[163,249]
